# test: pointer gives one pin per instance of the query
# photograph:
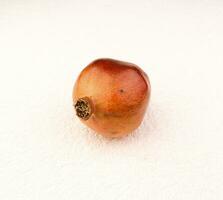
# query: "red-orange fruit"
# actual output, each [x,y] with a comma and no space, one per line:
[111,96]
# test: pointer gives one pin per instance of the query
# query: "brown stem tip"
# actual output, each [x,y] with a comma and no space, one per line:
[83,108]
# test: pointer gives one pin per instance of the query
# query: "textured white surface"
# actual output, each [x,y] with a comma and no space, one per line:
[46,153]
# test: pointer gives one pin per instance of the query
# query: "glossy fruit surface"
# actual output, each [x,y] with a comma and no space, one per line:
[111,96]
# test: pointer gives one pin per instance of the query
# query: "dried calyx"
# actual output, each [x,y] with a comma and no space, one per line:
[83,108]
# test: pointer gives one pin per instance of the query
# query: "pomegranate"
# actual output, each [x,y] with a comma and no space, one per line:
[111,96]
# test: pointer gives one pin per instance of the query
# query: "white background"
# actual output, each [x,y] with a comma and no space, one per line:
[46,153]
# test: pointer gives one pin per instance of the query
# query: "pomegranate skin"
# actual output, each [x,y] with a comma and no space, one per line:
[111,96]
